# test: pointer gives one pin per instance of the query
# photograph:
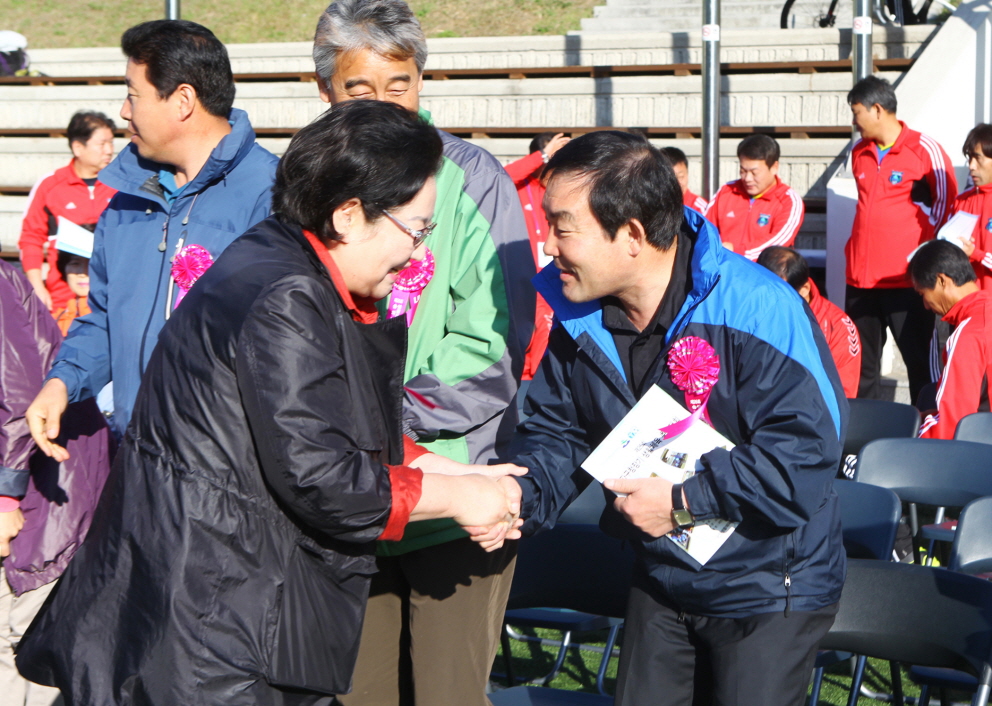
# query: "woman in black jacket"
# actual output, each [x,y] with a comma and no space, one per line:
[229,560]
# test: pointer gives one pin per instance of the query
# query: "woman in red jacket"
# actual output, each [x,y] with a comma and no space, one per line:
[73,193]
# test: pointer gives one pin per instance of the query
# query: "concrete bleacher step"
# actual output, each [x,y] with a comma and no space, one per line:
[663,12]
[682,15]
[669,101]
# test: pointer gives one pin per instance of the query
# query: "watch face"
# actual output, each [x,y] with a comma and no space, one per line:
[682,518]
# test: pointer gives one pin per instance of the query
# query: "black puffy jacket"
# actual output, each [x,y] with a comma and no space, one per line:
[229,559]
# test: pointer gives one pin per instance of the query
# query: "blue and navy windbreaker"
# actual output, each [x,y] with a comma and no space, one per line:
[778,398]
[134,243]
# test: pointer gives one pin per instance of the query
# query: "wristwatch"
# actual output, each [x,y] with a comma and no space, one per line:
[683,518]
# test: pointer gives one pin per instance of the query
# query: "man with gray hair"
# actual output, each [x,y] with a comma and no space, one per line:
[436,606]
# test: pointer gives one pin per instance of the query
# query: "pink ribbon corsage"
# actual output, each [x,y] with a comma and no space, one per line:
[409,285]
[695,369]
[188,266]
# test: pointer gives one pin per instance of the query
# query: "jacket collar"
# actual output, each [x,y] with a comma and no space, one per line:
[738,186]
[134,175]
[708,256]
[967,306]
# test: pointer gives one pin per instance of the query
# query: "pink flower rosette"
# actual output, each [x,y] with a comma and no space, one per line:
[188,266]
[695,369]
[409,285]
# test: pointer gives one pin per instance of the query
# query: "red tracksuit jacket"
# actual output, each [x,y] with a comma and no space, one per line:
[61,193]
[964,385]
[525,173]
[751,225]
[892,218]
[842,337]
[696,203]
[978,200]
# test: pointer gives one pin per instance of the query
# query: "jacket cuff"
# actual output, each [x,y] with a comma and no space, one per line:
[700,494]
[977,255]
[8,504]
[412,450]
[406,484]
[69,374]
[13,482]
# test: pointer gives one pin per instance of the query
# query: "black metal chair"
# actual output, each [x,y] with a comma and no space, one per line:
[869,517]
[878,419]
[975,427]
[916,615]
[578,568]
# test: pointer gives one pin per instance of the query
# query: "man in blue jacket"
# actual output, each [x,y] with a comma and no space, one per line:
[191,181]
[634,272]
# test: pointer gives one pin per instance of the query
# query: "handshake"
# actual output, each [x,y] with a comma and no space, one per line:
[484,500]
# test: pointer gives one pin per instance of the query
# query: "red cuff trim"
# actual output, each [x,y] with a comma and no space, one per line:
[412,450]
[406,484]
[8,504]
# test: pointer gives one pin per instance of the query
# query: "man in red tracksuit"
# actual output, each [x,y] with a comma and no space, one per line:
[978,200]
[526,175]
[758,210]
[943,276]
[680,165]
[837,327]
[905,185]
[72,192]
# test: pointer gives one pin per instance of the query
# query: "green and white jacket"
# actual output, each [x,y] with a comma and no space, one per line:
[472,325]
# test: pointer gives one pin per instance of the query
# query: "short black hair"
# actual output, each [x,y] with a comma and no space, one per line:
[377,152]
[175,52]
[628,178]
[978,140]
[540,142]
[64,259]
[940,257]
[787,264]
[871,91]
[84,123]
[675,156]
[760,146]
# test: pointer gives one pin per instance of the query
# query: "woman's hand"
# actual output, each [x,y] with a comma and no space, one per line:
[492,537]
[10,525]
[434,463]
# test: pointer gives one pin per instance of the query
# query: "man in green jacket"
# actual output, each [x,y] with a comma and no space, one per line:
[436,606]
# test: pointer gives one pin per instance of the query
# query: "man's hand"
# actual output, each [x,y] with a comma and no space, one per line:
[44,417]
[10,525]
[555,144]
[647,505]
[968,246]
[492,537]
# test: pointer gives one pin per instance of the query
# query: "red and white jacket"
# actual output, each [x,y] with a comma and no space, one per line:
[525,173]
[842,337]
[696,203]
[892,220]
[964,384]
[60,193]
[978,200]
[751,225]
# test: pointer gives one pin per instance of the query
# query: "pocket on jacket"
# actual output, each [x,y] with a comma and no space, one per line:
[319,621]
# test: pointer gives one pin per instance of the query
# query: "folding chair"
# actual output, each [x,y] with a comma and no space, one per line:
[916,615]
[975,427]
[578,568]
[869,518]
[878,419]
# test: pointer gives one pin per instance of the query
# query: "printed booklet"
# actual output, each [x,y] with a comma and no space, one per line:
[637,448]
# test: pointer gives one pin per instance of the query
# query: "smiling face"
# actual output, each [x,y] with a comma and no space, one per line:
[592,266]
[94,154]
[371,253]
[364,75]
[153,120]
[756,176]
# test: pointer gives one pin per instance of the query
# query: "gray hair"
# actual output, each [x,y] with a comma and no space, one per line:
[387,27]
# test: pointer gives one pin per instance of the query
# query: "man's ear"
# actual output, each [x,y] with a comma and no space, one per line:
[805,290]
[185,100]
[636,236]
[323,87]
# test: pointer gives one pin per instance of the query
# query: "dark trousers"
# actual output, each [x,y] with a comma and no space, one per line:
[901,310]
[671,659]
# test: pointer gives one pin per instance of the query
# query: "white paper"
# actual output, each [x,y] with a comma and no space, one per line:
[636,449]
[959,228]
[74,239]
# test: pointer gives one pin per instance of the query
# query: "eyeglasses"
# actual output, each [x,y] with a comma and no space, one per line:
[419,236]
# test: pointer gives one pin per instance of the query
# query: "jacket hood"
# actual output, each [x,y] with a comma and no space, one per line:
[586,317]
[129,172]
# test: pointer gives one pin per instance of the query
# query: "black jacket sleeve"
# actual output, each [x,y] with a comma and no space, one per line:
[294,387]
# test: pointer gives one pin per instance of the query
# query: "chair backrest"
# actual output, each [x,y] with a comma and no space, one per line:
[879,419]
[914,614]
[971,552]
[869,518]
[975,427]
[573,566]
[928,471]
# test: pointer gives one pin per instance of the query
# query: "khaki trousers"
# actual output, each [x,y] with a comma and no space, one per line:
[16,614]
[432,627]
